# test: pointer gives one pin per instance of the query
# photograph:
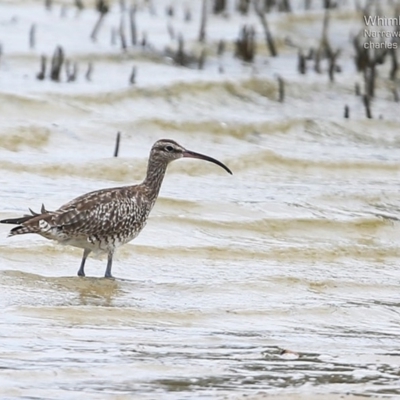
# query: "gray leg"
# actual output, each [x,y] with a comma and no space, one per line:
[109,265]
[81,271]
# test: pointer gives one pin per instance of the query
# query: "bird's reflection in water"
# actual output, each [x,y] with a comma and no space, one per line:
[91,291]
[38,290]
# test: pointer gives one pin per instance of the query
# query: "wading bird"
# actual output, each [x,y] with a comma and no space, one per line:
[106,219]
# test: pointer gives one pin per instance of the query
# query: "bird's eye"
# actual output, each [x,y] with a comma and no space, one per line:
[169,149]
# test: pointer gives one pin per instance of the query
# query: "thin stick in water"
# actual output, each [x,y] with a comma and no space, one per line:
[332,64]
[42,73]
[396,95]
[268,35]
[32,36]
[117,140]
[203,23]
[102,8]
[132,20]
[395,65]
[301,65]
[89,71]
[367,105]
[357,89]
[132,78]
[221,47]
[57,63]
[202,59]
[122,33]
[281,85]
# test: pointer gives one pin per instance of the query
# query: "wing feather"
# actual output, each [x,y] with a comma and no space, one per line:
[100,213]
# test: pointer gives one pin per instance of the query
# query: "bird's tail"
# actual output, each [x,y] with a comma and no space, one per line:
[26,223]
[17,221]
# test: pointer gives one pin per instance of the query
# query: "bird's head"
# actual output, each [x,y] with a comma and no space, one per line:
[166,150]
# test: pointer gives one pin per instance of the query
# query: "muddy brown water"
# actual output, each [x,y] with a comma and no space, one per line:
[298,250]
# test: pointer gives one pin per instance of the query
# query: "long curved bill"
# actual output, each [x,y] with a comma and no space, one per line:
[192,154]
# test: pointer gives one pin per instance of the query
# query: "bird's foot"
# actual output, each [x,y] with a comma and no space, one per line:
[81,273]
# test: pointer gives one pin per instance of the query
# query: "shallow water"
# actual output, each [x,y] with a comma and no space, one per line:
[297,251]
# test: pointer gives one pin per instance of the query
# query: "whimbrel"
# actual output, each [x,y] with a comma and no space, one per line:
[106,219]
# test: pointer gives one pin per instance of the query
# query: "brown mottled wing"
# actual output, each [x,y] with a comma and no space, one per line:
[100,213]
[104,214]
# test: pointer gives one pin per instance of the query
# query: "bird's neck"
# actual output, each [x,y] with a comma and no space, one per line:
[154,177]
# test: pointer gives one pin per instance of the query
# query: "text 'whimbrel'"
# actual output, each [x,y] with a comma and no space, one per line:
[106,219]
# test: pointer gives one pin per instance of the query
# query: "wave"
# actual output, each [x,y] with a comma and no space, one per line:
[110,169]
[269,159]
[255,253]
[272,226]
[353,132]
[237,130]
[244,90]
[279,253]
[118,169]
[33,136]
[128,170]
[360,132]
[34,105]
